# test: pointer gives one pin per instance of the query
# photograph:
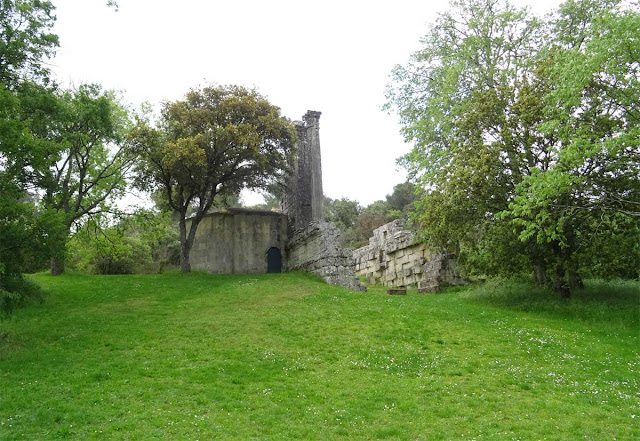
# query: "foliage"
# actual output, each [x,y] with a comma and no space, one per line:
[24,237]
[357,223]
[15,291]
[284,356]
[525,134]
[80,163]
[24,241]
[403,197]
[25,40]
[58,163]
[595,115]
[146,241]
[343,212]
[216,141]
[372,217]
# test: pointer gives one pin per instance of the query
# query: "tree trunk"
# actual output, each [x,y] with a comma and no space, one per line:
[186,241]
[185,262]
[560,283]
[575,281]
[539,274]
[539,267]
[57,266]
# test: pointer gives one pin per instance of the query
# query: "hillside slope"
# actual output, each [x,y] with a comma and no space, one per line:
[285,356]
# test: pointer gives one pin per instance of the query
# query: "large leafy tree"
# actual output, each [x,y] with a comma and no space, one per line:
[592,191]
[25,42]
[480,102]
[81,162]
[216,141]
[60,145]
[470,101]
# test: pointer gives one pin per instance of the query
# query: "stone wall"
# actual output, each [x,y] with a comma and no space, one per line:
[236,241]
[317,249]
[304,197]
[394,258]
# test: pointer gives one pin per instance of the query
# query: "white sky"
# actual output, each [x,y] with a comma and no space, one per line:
[330,56]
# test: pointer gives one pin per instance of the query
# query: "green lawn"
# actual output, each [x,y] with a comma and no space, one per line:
[285,356]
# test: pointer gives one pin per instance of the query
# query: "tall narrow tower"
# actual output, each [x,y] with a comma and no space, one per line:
[304,201]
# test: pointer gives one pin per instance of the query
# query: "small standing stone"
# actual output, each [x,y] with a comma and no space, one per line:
[397,291]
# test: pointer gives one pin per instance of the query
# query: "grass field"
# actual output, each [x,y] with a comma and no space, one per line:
[285,356]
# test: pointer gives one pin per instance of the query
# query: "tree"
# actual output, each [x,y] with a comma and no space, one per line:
[25,40]
[372,217]
[80,161]
[478,102]
[593,188]
[216,141]
[403,197]
[143,241]
[468,100]
[343,212]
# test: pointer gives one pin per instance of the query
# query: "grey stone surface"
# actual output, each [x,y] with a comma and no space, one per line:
[395,258]
[303,200]
[317,249]
[235,241]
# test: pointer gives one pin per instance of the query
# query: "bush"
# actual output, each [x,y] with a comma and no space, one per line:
[145,243]
[15,291]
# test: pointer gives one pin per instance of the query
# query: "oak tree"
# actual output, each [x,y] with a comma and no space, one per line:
[216,141]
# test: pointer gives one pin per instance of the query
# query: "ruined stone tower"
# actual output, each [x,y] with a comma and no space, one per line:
[239,241]
[303,202]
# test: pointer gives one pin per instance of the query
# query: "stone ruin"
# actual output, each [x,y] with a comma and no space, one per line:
[303,199]
[314,245]
[316,249]
[395,258]
[240,241]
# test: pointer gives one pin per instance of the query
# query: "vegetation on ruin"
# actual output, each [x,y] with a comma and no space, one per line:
[285,356]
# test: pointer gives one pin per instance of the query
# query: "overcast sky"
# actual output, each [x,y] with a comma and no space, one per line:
[330,56]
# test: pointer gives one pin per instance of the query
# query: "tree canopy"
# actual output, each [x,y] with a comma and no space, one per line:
[216,141]
[25,41]
[525,134]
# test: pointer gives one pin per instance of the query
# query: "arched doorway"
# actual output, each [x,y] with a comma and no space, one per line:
[274,260]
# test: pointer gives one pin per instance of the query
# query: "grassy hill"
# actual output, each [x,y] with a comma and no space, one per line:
[285,356]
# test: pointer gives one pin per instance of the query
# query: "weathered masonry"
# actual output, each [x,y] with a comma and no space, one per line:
[394,258]
[316,249]
[236,241]
[303,200]
[240,241]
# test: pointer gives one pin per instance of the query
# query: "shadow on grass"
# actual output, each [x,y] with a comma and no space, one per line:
[614,303]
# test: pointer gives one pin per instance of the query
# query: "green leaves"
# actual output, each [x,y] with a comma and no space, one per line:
[524,124]
[216,141]
[25,40]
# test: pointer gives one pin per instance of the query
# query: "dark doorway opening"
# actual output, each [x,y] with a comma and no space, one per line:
[274,260]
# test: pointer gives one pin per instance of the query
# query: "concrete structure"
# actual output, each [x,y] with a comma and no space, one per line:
[394,258]
[240,241]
